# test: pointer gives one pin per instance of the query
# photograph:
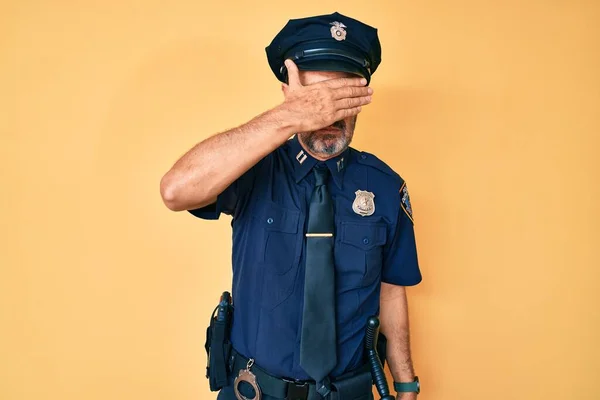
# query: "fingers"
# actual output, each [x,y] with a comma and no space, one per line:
[347,112]
[352,102]
[352,91]
[341,82]
[352,96]
[293,75]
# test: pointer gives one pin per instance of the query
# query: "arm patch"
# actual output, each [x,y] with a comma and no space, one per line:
[405,202]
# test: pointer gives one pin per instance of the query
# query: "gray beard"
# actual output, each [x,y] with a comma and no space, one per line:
[317,147]
[314,143]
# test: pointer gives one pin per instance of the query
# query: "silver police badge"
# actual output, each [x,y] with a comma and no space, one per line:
[363,203]
[337,31]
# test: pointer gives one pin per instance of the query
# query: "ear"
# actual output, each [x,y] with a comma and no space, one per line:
[285,89]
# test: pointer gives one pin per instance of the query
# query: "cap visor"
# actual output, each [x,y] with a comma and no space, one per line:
[331,65]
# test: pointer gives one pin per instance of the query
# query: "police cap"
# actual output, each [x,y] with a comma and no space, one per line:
[331,42]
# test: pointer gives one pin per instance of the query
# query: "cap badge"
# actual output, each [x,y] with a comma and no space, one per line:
[363,203]
[337,31]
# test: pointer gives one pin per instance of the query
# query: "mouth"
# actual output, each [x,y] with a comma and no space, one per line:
[330,130]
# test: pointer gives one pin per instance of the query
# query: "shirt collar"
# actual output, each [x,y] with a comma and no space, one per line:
[304,162]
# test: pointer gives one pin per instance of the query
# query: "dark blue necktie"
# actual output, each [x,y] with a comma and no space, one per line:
[318,342]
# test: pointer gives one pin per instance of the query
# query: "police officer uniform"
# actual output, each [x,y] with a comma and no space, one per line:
[373,238]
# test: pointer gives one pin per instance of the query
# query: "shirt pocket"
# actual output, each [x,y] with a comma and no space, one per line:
[281,248]
[360,253]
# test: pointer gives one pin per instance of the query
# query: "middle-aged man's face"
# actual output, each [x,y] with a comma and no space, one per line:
[332,140]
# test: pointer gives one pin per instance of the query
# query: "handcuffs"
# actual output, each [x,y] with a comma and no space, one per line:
[247,376]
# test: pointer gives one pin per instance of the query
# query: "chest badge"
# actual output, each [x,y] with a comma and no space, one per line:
[363,203]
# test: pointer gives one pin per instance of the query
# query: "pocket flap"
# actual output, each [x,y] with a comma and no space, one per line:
[363,235]
[280,219]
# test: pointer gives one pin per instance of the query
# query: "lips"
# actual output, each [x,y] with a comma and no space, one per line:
[330,129]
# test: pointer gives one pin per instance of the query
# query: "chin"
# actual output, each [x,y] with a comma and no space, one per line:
[328,145]
[327,142]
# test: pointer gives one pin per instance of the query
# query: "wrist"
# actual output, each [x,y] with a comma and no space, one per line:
[271,128]
[286,120]
[408,386]
[406,396]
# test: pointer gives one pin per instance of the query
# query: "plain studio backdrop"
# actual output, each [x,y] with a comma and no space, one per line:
[489,109]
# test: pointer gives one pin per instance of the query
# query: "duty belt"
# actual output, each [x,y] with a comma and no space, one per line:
[282,388]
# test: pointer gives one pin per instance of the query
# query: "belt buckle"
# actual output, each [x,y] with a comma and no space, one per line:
[296,390]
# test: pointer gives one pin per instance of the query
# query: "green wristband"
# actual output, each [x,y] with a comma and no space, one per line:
[405,387]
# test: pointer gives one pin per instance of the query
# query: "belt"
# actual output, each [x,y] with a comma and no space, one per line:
[288,389]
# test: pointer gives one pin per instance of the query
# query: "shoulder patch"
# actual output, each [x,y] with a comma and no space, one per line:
[405,202]
[372,161]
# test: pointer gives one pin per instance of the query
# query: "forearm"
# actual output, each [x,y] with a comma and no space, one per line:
[395,326]
[206,170]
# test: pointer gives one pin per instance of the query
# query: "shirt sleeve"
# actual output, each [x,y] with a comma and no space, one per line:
[231,200]
[401,265]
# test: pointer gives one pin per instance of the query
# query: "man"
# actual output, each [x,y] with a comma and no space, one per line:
[322,233]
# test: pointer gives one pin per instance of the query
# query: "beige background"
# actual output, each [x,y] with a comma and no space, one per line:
[489,109]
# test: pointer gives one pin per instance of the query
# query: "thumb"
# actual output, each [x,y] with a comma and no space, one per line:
[293,74]
[285,89]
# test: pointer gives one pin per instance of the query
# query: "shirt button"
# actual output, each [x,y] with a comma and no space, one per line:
[366,240]
[363,156]
[269,221]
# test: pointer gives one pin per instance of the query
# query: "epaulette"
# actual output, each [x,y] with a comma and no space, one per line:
[371,160]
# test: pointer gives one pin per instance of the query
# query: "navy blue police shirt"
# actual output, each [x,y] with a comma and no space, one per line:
[269,206]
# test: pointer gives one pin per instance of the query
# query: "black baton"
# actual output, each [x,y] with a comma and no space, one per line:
[376,368]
